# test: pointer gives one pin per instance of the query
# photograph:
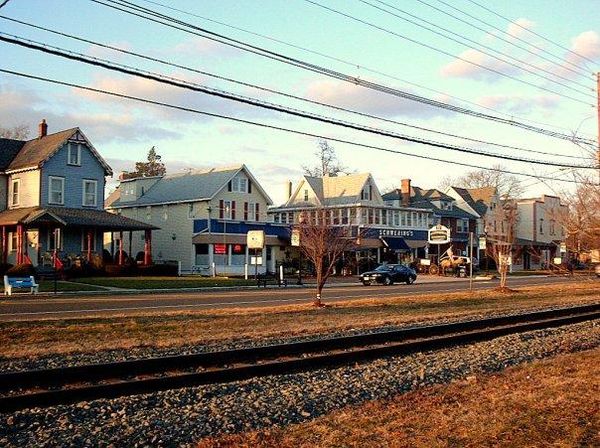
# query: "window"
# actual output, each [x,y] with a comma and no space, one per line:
[552,227]
[305,195]
[462,225]
[56,190]
[227,209]
[54,239]
[165,212]
[16,191]
[74,151]
[90,189]
[86,238]
[12,241]
[365,194]
[149,213]
[239,184]
[541,226]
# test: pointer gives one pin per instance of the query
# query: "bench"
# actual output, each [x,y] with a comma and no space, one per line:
[271,279]
[11,283]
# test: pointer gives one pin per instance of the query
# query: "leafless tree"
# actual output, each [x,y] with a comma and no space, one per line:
[324,244]
[19,132]
[501,227]
[507,185]
[329,165]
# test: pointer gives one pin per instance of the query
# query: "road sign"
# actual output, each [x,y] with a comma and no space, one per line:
[256,261]
[255,239]
[295,237]
[438,235]
[482,243]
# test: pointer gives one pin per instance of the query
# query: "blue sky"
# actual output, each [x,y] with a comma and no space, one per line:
[123,131]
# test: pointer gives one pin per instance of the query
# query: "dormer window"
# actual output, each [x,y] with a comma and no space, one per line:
[239,184]
[56,190]
[16,190]
[367,193]
[74,154]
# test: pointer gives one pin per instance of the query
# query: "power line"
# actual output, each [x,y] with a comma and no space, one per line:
[535,33]
[487,47]
[268,126]
[216,37]
[438,50]
[577,70]
[4,3]
[246,84]
[346,62]
[122,68]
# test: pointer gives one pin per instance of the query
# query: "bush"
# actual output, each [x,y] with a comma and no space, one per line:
[22,270]
[162,270]
[139,256]
[4,267]
[115,270]
[106,257]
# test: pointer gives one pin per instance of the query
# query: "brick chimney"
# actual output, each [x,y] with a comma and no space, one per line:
[405,189]
[43,129]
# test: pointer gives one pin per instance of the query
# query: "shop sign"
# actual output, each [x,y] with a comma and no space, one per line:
[482,242]
[438,235]
[295,241]
[255,239]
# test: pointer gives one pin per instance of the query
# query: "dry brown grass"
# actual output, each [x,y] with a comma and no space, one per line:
[554,402]
[204,327]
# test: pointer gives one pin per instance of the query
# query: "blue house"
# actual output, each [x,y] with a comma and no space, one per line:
[52,199]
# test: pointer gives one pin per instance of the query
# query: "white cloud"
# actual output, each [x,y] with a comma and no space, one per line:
[519,104]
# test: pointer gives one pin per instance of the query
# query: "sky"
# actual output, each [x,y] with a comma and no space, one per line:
[549,86]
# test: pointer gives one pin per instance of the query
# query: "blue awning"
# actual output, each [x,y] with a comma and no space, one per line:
[395,243]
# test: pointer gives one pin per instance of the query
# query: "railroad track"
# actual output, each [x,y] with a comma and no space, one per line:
[50,387]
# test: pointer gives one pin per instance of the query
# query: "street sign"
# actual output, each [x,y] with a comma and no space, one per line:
[295,237]
[256,261]
[482,243]
[425,261]
[438,235]
[255,239]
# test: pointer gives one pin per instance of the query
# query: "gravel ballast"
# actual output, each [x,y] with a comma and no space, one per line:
[181,417]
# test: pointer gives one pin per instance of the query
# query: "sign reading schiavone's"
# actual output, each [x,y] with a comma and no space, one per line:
[255,239]
[438,235]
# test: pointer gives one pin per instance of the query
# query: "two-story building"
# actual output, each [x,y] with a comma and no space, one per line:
[204,217]
[51,199]
[391,232]
[444,210]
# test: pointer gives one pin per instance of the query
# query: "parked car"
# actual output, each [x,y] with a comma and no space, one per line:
[388,274]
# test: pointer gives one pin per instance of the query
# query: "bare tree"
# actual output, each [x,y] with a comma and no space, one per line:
[18,132]
[324,244]
[507,185]
[329,165]
[501,227]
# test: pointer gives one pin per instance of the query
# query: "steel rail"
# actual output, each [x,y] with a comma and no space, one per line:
[241,364]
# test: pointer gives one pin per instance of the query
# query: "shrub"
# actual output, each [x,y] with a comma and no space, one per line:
[4,267]
[22,270]
[106,257]
[139,256]
[163,270]
[115,270]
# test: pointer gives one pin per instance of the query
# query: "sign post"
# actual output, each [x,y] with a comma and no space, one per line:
[295,242]
[438,235]
[255,239]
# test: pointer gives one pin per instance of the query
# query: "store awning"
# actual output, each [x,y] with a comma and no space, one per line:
[395,243]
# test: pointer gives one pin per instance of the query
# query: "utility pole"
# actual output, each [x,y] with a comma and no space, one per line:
[598,113]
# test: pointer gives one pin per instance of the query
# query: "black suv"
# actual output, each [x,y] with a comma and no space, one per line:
[387,274]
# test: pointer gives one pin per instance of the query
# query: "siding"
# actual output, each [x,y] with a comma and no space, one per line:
[3,191]
[30,188]
[74,175]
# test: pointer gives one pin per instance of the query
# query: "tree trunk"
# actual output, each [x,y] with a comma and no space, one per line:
[317,302]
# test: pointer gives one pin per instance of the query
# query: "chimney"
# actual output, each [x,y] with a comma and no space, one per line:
[123,175]
[405,189]
[43,129]
[288,190]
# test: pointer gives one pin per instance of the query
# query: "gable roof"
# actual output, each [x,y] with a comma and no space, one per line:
[188,187]
[33,153]
[335,190]
[9,148]
[422,198]
[479,199]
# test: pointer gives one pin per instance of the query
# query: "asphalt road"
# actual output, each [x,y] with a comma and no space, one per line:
[48,307]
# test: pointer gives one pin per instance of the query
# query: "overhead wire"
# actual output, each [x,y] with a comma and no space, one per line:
[122,68]
[478,44]
[199,31]
[273,127]
[261,88]
[359,66]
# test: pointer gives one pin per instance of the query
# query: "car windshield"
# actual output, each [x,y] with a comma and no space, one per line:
[384,267]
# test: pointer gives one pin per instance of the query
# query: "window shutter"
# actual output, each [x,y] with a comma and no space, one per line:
[221,209]
[257,212]
[229,187]
[245,211]
[232,209]
[249,186]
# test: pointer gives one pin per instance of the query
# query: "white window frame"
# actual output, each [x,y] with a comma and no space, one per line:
[239,184]
[84,194]
[12,192]
[51,239]
[50,191]
[252,211]
[226,209]
[77,146]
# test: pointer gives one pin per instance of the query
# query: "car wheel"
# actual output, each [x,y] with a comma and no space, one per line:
[410,280]
[366,283]
[387,281]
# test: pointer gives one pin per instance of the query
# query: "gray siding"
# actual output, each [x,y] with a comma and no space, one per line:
[74,175]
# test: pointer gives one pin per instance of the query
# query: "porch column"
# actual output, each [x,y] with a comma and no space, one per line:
[121,248]
[112,244]
[131,254]
[147,247]
[19,244]
[4,246]
[89,245]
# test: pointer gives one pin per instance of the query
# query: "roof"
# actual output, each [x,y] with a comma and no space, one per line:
[336,190]
[187,187]
[71,217]
[9,148]
[478,199]
[424,199]
[17,154]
